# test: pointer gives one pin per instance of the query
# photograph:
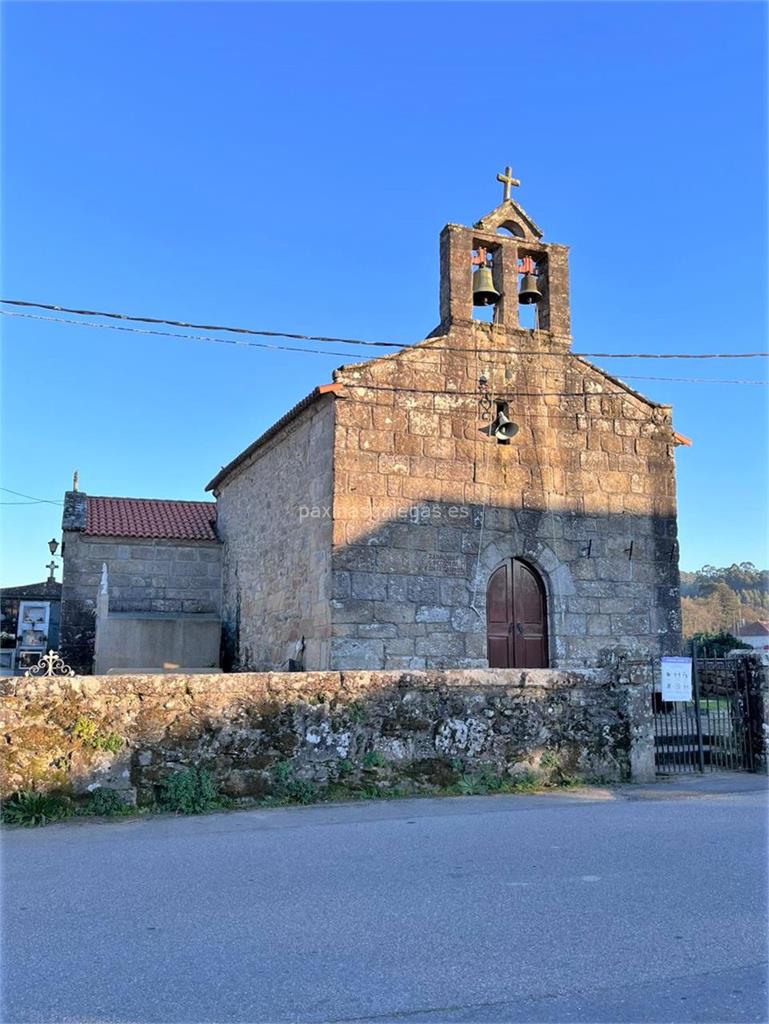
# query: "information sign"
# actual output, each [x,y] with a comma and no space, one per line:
[676,679]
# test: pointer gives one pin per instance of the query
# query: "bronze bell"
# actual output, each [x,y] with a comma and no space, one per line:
[528,292]
[484,292]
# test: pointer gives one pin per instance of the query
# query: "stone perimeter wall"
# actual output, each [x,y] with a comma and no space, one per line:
[425,726]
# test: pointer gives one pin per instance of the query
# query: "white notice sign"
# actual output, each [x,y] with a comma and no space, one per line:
[676,678]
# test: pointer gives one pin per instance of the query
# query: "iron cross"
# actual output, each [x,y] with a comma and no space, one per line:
[507,180]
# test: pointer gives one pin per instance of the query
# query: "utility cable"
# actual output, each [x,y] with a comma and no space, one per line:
[362,342]
[20,494]
[173,334]
[330,352]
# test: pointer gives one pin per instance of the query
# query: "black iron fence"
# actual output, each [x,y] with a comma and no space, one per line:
[719,729]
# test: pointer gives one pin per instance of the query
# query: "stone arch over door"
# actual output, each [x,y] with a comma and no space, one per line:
[516,616]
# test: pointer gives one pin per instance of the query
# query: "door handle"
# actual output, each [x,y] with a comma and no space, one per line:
[519,628]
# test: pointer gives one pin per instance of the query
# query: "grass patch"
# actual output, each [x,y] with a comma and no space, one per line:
[192,791]
[483,782]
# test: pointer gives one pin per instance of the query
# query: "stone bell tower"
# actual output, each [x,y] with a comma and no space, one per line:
[512,242]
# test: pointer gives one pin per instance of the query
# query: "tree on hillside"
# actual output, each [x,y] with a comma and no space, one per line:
[720,610]
[750,585]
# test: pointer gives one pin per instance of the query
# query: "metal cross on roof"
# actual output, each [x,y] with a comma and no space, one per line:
[507,180]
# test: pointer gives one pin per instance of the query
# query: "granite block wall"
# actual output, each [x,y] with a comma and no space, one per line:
[274,517]
[418,729]
[426,505]
[150,576]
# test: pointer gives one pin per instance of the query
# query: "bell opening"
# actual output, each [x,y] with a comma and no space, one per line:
[484,314]
[527,316]
[511,229]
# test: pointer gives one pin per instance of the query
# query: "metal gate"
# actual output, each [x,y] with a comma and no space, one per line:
[717,729]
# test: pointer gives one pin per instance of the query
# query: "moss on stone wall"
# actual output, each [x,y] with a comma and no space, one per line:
[371,729]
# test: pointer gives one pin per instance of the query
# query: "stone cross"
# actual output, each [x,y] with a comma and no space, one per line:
[52,566]
[507,180]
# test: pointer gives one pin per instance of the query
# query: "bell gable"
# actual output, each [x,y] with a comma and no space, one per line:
[512,217]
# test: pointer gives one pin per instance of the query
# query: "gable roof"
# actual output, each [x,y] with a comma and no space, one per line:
[149,517]
[509,211]
[306,402]
[50,589]
[757,628]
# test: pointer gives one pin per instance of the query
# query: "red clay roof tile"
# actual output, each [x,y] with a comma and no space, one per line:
[151,518]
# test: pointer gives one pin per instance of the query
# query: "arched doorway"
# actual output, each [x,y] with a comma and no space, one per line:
[516,617]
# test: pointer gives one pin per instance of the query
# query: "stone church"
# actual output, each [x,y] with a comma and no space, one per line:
[483,497]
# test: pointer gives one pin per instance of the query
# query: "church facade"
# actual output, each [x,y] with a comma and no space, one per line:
[483,497]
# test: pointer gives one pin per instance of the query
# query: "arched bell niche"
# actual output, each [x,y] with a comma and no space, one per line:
[511,229]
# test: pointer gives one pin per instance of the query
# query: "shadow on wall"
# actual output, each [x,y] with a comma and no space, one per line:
[406,587]
[251,732]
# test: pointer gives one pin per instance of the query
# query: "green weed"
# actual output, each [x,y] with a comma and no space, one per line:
[190,791]
[373,759]
[526,782]
[86,731]
[34,809]
[356,711]
[290,789]
[106,802]
[550,762]
[282,772]
[302,791]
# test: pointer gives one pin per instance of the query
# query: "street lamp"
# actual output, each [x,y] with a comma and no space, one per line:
[53,544]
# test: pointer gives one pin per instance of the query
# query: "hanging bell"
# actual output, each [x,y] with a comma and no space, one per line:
[484,292]
[528,292]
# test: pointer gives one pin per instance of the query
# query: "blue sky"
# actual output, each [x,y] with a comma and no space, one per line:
[290,167]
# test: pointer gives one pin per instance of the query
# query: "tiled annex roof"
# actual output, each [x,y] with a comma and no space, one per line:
[150,517]
[50,589]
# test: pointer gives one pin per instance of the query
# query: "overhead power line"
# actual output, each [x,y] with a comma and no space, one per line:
[33,499]
[183,337]
[359,341]
[695,380]
[326,352]
[197,327]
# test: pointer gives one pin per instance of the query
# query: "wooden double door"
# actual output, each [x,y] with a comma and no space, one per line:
[516,617]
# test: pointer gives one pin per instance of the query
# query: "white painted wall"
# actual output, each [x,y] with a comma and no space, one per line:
[759,642]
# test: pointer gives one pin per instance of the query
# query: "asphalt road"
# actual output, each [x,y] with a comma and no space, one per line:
[552,908]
